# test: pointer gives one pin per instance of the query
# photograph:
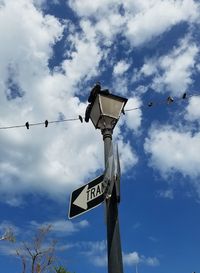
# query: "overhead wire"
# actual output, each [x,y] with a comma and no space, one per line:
[169,100]
[28,125]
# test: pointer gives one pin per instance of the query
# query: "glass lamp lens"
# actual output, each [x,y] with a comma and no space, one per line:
[95,112]
[111,107]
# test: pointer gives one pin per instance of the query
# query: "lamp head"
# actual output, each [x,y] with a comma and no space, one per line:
[106,110]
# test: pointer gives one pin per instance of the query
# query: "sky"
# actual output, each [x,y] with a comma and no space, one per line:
[52,52]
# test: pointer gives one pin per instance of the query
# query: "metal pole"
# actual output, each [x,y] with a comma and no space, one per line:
[115,264]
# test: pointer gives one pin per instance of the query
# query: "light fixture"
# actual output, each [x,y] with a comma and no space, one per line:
[106,110]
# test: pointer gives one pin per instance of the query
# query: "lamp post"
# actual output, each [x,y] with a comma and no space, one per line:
[104,110]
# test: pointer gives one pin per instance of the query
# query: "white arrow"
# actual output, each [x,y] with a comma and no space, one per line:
[88,195]
[81,200]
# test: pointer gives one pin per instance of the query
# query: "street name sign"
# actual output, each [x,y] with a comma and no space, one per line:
[86,197]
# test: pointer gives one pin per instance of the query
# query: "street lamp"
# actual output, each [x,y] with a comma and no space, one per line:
[104,110]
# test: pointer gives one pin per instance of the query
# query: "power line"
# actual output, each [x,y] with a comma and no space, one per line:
[169,100]
[46,123]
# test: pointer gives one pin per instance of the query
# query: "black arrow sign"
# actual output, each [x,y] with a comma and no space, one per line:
[87,197]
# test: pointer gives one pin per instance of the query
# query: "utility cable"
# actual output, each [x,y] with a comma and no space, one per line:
[169,100]
[46,123]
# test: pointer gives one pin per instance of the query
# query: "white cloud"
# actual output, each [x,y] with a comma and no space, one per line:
[177,68]
[16,26]
[140,18]
[100,260]
[96,252]
[110,26]
[172,72]
[121,67]
[151,261]
[143,26]
[134,258]
[128,157]
[7,249]
[172,150]
[169,194]
[91,8]
[131,258]
[120,85]
[43,3]
[193,109]
[133,118]
[45,160]
[62,227]
[31,92]
[83,62]
[149,68]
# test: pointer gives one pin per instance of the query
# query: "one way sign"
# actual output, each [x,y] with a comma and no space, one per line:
[86,197]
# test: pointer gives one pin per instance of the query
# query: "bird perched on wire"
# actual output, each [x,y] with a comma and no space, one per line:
[80,118]
[184,96]
[170,100]
[27,125]
[150,104]
[46,123]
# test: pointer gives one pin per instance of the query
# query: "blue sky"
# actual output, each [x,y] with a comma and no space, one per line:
[51,54]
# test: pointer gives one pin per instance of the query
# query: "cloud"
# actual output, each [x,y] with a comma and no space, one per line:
[143,26]
[35,49]
[121,77]
[100,21]
[131,258]
[137,225]
[120,67]
[80,66]
[151,261]
[44,3]
[30,91]
[61,227]
[128,158]
[149,68]
[96,253]
[88,7]
[174,71]
[134,258]
[172,150]
[7,249]
[169,194]
[133,118]
[193,109]
[137,19]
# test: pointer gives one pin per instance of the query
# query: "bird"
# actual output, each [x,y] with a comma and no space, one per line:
[46,123]
[80,118]
[95,90]
[27,125]
[93,93]
[170,100]
[150,104]
[184,96]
